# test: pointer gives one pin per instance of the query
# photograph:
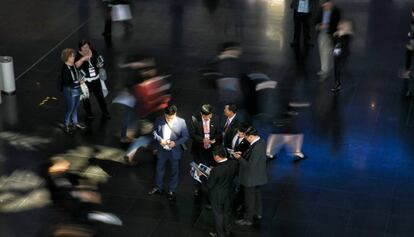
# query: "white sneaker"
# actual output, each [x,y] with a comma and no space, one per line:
[105,218]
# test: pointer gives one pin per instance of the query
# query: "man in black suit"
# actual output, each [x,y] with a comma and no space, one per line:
[252,175]
[302,10]
[205,132]
[239,141]
[326,24]
[220,184]
[231,123]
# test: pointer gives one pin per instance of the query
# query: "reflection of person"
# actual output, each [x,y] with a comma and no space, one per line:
[170,132]
[326,24]
[220,190]
[108,17]
[205,133]
[252,175]
[342,39]
[409,48]
[70,85]
[88,62]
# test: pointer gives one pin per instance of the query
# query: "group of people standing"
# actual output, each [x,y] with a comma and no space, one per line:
[334,36]
[234,150]
[81,75]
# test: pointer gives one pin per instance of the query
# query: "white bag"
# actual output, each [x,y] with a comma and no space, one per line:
[85,91]
[104,88]
[121,12]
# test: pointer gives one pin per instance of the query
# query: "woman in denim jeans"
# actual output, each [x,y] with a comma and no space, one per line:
[70,85]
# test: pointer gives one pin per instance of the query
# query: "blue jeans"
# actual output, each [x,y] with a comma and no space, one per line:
[127,118]
[72,98]
[163,157]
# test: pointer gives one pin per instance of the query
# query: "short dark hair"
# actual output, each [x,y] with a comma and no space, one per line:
[232,107]
[170,110]
[243,127]
[206,109]
[252,131]
[220,151]
[83,42]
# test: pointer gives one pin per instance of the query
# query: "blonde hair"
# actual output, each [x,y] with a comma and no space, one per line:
[66,53]
[347,28]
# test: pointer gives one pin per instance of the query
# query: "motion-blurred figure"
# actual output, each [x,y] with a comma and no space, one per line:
[342,40]
[326,24]
[117,10]
[301,19]
[409,49]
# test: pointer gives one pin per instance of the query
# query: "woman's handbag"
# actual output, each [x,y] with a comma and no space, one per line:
[84,92]
[102,74]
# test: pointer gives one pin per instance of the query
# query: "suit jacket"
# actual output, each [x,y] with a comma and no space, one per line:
[179,136]
[220,183]
[334,20]
[231,130]
[197,133]
[252,171]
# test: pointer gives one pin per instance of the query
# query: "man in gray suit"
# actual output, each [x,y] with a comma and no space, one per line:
[170,132]
[252,175]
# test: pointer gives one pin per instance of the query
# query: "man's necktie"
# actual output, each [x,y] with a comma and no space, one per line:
[226,125]
[206,131]
[237,142]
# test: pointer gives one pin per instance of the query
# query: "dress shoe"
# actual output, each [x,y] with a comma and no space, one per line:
[244,222]
[155,191]
[171,196]
[271,157]
[336,88]
[300,157]
[208,207]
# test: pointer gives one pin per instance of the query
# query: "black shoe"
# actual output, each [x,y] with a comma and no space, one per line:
[297,158]
[171,196]
[155,191]
[271,157]
[244,222]
[336,88]
[208,207]
[213,234]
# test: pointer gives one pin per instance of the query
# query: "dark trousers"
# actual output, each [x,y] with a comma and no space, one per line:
[408,59]
[252,202]
[339,64]
[96,89]
[222,215]
[301,22]
[163,157]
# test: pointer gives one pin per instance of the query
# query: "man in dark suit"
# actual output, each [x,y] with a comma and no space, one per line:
[231,123]
[205,133]
[170,132]
[326,24]
[252,175]
[220,184]
[239,141]
[302,10]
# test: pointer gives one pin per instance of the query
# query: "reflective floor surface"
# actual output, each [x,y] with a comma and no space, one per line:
[357,180]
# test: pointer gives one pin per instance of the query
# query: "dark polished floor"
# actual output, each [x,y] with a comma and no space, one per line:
[357,181]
